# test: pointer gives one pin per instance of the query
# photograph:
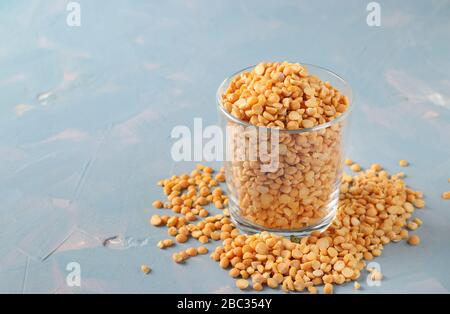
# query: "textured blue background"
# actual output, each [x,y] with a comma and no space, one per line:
[86,114]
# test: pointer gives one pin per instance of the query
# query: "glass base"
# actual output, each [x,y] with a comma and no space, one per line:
[248,227]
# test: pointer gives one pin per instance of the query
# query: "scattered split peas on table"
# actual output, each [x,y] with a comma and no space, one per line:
[375,209]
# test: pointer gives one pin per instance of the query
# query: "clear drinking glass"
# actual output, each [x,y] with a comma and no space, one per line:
[284,181]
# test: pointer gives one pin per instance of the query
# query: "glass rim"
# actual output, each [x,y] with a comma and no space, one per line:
[342,117]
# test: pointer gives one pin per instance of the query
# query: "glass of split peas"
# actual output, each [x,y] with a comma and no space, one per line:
[286,126]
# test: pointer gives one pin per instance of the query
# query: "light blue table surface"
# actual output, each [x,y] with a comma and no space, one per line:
[86,114]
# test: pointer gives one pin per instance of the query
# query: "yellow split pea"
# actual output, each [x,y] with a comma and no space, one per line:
[192,251]
[242,284]
[156,220]
[414,240]
[181,238]
[328,288]
[165,243]
[158,204]
[202,250]
[446,195]
[348,162]
[145,269]
[355,167]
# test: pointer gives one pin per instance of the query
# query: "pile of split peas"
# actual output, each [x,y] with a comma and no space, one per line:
[375,208]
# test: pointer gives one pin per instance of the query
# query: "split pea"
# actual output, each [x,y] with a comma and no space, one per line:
[178,257]
[181,238]
[224,262]
[202,250]
[418,221]
[234,272]
[355,167]
[242,284]
[328,288]
[307,123]
[272,283]
[339,266]
[158,204]
[257,286]
[412,226]
[172,231]
[156,220]
[191,251]
[414,240]
[347,272]
[261,248]
[419,203]
[145,269]
[446,195]
[376,167]
[203,239]
[165,243]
